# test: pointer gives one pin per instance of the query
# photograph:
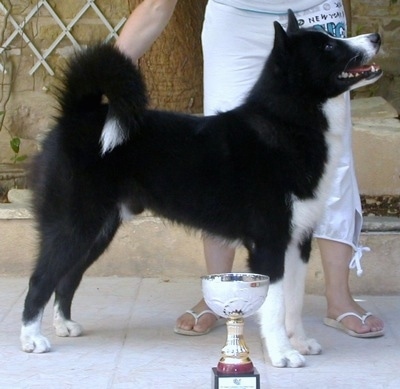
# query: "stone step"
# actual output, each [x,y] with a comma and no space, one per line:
[149,247]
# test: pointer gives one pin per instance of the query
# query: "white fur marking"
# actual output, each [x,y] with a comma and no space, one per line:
[363,42]
[272,324]
[63,326]
[124,213]
[111,136]
[294,283]
[31,338]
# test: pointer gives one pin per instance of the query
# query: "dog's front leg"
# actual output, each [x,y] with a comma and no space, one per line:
[31,337]
[273,331]
[294,285]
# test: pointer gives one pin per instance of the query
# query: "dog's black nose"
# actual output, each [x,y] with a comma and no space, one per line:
[375,39]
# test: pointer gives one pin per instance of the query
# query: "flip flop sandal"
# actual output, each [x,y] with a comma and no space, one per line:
[197,316]
[336,323]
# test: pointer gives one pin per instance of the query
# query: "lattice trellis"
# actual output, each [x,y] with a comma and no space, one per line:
[65,31]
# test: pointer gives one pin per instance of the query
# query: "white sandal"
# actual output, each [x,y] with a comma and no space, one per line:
[336,323]
[197,316]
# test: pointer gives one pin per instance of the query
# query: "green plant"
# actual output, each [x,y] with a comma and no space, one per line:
[15,144]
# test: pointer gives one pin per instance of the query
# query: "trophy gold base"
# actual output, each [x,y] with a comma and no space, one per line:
[234,381]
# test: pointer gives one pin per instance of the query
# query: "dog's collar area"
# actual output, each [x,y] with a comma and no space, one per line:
[361,72]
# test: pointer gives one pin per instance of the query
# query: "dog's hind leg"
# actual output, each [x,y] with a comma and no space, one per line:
[39,293]
[61,250]
[297,257]
[67,286]
[41,286]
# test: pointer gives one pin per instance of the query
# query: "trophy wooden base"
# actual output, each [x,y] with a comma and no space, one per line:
[234,381]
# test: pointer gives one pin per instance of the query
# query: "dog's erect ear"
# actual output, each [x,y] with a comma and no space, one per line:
[280,36]
[293,24]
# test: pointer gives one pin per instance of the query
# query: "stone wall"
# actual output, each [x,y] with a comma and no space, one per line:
[382,16]
[172,68]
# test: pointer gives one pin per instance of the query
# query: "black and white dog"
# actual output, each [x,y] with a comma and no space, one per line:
[258,174]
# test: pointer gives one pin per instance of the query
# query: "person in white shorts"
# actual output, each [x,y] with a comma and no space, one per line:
[237,37]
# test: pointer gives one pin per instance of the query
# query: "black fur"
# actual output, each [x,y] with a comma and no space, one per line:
[234,175]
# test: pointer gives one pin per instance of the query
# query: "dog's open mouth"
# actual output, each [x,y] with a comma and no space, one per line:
[361,72]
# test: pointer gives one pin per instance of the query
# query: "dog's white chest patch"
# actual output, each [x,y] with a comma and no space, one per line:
[307,213]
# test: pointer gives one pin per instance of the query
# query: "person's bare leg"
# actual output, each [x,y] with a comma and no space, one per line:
[219,259]
[335,258]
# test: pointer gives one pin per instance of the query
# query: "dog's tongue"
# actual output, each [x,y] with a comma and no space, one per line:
[359,71]
[365,68]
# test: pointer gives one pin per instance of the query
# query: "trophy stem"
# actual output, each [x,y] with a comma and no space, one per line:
[235,354]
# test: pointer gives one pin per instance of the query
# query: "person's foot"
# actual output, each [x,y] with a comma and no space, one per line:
[353,323]
[198,321]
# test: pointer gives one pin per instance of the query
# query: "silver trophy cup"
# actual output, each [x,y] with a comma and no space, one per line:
[235,296]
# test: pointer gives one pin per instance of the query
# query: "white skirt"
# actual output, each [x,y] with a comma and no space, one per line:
[235,45]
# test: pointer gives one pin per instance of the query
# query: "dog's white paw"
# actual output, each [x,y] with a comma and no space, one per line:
[35,344]
[32,341]
[65,328]
[288,358]
[306,346]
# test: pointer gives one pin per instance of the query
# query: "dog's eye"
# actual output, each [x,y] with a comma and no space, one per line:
[328,47]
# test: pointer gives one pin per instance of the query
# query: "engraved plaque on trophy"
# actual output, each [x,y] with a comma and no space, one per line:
[235,296]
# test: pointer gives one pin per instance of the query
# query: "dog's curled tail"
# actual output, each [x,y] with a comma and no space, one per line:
[102,75]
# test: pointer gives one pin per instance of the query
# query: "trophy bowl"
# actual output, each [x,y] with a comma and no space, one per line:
[235,296]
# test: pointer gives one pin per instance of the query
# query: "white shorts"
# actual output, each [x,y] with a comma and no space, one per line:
[235,45]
